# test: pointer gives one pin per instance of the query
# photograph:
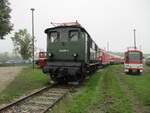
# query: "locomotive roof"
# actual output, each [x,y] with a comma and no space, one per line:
[134,51]
[74,26]
[46,31]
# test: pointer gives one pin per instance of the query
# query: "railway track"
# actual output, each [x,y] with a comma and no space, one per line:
[38,102]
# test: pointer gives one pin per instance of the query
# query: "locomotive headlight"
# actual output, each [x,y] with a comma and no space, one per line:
[75,54]
[50,54]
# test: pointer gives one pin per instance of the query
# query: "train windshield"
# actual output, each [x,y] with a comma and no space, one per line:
[73,35]
[134,57]
[54,37]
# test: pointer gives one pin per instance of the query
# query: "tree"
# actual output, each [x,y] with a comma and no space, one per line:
[4,57]
[23,44]
[5,25]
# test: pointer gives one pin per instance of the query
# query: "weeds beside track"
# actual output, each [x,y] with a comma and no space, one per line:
[25,82]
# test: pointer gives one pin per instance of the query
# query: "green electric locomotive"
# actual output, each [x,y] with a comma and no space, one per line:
[71,53]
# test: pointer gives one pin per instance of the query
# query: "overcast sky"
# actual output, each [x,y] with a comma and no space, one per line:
[110,21]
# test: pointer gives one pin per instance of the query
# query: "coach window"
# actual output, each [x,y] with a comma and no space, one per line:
[54,37]
[73,35]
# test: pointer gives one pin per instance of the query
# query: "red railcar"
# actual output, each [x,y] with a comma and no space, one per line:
[133,61]
[104,58]
[41,61]
[107,58]
[115,59]
[118,60]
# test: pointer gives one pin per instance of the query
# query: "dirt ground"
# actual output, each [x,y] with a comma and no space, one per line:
[7,74]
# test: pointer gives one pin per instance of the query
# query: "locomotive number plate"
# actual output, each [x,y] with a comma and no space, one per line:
[63,50]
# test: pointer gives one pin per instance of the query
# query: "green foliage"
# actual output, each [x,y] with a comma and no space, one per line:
[23,43]
[6,56]
[25,82]
[5,25]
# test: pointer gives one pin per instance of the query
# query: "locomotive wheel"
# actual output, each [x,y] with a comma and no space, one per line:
[52,77]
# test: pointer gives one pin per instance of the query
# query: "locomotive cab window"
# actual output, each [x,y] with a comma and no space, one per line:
[54,37]
[134,56]
[73,35]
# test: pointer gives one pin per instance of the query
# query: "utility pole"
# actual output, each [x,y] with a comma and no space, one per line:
[140,47]
[134,30]
[32,9]
[107,46]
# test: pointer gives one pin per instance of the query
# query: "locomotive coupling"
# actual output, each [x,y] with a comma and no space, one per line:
[46,69]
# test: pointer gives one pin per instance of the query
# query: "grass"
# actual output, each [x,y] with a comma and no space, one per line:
[107,91]
[113,97]
[7,65]
[83,100]
[102,94]
[25,82]
[140,85]
[87,98]
[110,91]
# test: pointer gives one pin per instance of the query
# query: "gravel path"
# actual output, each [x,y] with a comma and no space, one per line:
[7,74]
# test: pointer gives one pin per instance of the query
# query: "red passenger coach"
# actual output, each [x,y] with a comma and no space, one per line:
[115,59]
[133,61]
[104,58]
[41,61]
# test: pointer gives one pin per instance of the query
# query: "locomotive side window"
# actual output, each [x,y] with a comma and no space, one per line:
[73,35]
[93,45]
[54,37]
[83,34]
